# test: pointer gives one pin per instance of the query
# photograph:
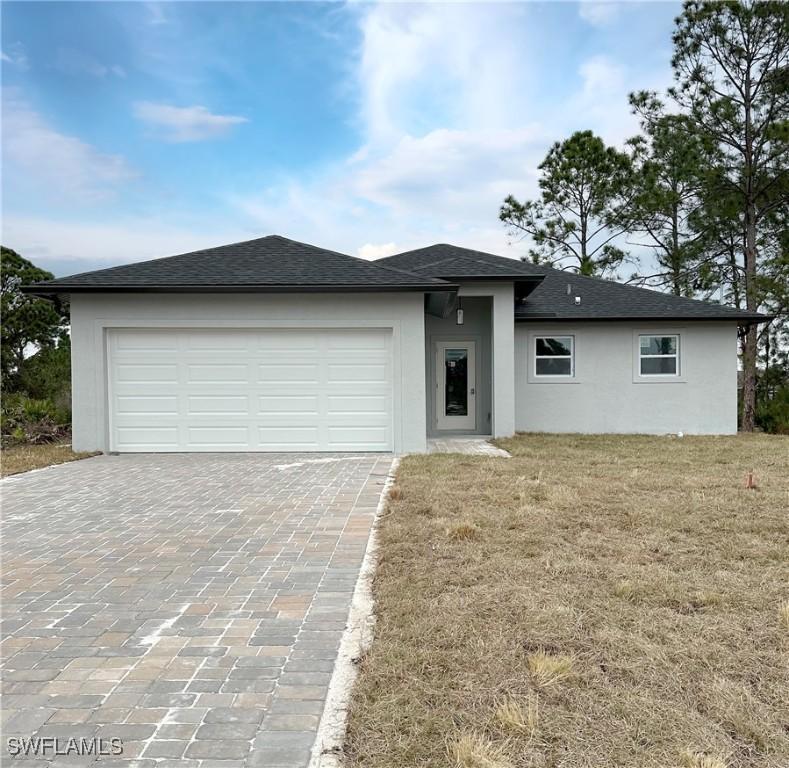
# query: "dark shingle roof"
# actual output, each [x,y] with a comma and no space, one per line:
[607,300]
[270,263]
[600,299]
[450,261]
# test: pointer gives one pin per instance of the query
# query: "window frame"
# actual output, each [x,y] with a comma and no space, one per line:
[553,377]
[659,378]
[674,355]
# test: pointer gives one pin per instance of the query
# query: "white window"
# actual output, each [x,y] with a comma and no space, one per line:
[658,355]
[554,356]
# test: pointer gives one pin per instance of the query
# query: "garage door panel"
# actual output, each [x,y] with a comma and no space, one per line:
[220,373]
[147,389]
[349,438]
[285,343]
[219,342]
[289,372]
[357,372]
[359,418]
[146,438]
[352,339]
[288,404]
[145,342]
[142,372]
[375,403]
[222,405]
[264,390]
[137,404]
[288,438]
[219,437]
[290,421]
[361,388]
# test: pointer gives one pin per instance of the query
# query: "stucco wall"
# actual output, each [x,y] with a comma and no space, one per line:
[92,315]
[502,346]
[477,320]
[608,395]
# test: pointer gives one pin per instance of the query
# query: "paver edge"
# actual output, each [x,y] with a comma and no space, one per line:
[327,748]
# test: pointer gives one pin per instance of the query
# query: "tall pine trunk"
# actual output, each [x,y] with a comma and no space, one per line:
[750,340]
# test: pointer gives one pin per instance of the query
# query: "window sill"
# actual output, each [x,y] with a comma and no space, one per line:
[660,380]
[553,380]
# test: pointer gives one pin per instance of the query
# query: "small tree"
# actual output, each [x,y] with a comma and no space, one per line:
[26,320]
[585,188]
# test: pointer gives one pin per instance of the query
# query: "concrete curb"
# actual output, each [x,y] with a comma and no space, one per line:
[358,634]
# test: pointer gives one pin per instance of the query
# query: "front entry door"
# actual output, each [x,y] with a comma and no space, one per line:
[456,385]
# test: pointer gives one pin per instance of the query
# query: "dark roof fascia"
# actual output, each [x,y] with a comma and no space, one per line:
[740,319]
[518,278]
[45,291]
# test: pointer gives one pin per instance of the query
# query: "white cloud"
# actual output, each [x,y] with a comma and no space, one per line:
[600,103]
[419,63]
[156,14]
[15,56]
[446,186]
[373,251]
[458,173]
[52,241]
[179,124]
[39,157]
[601,78]
[75,62]
[598,14]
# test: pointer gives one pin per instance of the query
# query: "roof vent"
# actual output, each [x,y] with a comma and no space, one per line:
[577,300]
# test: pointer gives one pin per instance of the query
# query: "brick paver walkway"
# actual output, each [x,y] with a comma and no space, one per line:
[189,605]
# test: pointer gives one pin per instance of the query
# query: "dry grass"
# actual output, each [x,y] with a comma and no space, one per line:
[475,751]
[784,613]
[463,531]
[690,759]
[548,669]
[591,602]
[520,716]
[21,458]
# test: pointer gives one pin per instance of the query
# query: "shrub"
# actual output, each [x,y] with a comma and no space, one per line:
[28,420]
[773,415]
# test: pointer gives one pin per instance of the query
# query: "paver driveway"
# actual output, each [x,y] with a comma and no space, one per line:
[189,605]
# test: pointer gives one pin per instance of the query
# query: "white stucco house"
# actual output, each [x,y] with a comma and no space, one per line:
[275,345]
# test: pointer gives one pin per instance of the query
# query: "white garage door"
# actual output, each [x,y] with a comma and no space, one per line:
[250,390]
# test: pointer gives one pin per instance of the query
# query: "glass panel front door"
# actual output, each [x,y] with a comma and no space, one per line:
[456,393]
[456,382]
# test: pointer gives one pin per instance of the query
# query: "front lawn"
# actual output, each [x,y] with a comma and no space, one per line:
[21,458]
[593,601]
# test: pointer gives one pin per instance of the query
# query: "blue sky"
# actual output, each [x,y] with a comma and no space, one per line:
[135,130]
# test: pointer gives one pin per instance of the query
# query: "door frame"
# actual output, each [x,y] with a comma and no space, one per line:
[469,421]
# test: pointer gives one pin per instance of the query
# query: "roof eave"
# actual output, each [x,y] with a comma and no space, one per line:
[46,291]
[490,278]
[734,318]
